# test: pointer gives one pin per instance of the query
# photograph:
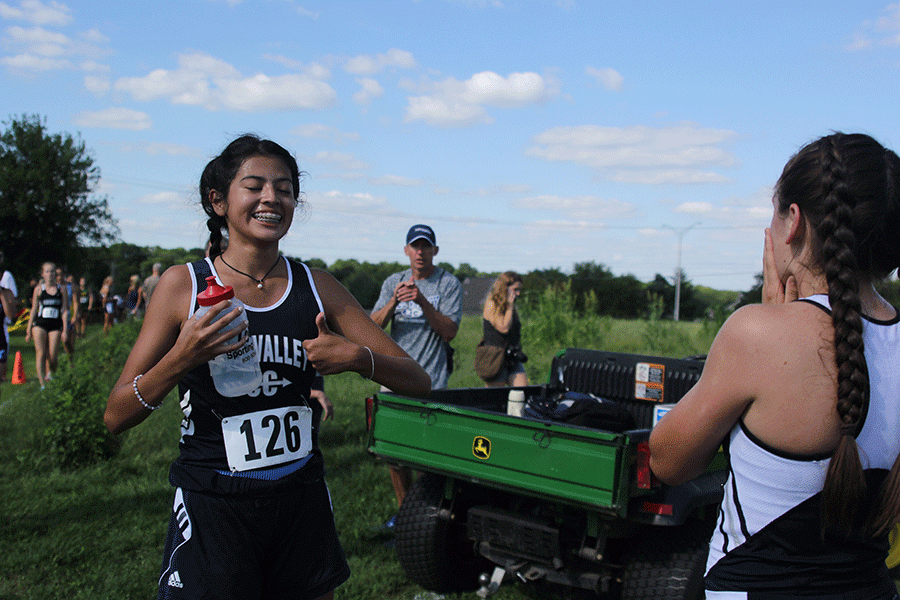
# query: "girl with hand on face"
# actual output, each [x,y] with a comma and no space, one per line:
[252,516]
[501,327]
[803,392]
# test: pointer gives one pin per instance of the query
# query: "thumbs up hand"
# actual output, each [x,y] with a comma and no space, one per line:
[322,325]
[329,352]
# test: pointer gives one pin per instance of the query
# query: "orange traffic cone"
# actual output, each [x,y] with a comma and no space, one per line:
[18,370]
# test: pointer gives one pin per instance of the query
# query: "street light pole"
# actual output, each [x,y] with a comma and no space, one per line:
[680,233]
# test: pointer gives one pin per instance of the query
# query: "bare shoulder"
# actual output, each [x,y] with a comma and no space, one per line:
[335,297]
[327,282]
[175,277]
[758,340]
[176,286]
[761,324]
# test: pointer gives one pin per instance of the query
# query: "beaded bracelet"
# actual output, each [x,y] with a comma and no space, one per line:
[141,398]
[372,356]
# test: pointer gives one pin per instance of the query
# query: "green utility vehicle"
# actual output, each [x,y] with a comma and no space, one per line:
[544,500]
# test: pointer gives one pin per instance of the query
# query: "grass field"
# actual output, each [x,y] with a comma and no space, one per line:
[97,532]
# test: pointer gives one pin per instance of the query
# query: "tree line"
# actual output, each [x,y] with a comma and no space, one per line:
[593,287]
[49,211]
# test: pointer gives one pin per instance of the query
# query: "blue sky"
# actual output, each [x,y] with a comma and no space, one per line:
[529,134]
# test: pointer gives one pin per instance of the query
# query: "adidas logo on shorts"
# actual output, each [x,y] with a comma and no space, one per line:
[175,580]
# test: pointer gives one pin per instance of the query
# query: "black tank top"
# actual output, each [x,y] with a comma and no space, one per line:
[49,313]
[511,338]
[279,331]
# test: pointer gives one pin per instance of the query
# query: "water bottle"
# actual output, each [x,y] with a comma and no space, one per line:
[237,372]
[516,403]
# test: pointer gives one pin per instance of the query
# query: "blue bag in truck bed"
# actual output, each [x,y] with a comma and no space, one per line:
[585,410]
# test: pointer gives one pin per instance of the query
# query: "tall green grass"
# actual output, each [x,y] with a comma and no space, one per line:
[96,532]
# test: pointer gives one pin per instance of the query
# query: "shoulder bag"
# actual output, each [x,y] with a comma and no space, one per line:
[488,360]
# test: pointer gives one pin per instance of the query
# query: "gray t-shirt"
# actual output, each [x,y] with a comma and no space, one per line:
[149,285]
[410,329]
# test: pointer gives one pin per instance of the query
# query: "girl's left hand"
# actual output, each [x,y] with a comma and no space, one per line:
[329,353]
[774,291]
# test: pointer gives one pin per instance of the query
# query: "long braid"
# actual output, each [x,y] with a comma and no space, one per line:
[888,512]
[215,225]
[845,484]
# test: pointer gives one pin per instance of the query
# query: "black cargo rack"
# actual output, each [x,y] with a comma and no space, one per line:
[638,382]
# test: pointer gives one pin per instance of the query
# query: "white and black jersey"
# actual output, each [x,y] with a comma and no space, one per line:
[767,543]
[237,531]
[278,332]
[49,310]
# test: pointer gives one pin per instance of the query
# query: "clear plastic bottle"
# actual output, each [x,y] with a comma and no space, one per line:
[237,372]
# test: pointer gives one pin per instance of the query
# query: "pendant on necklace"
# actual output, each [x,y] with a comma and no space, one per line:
[259,285]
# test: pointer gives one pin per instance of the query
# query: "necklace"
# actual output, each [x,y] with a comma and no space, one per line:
[259,282]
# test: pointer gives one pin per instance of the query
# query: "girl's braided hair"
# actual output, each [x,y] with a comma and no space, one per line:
[221,171]
[846,187]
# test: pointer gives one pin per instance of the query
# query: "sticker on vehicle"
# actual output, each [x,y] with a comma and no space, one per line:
[481,447]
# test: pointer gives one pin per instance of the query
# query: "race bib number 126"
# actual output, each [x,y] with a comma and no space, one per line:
[268,437]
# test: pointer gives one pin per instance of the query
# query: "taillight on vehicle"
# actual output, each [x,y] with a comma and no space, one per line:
[645,478]
[370,405]
[657,508]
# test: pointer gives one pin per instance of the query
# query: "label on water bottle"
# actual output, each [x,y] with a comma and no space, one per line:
[237,372]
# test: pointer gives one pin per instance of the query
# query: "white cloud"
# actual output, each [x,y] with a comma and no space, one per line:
[114,118]
[285,92]
[305,12]
[370,89]
[324,132]
[668,176]
[492,89]
[395,180]
[453,102]
[580,208]
[41,49]
[366,64]
[91,66]
[38,13]
[94,36]
[444,112]
[890,21]
[163,199]
[38,40]
[608,78]
[694,208]
[30,62]
[314,70]
[317,71]
[157,148]
[203,80]
[363,204]
[342,160]
[884,31]
[97,85]
[677,154]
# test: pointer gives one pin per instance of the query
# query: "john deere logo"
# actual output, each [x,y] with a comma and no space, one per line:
[481,448]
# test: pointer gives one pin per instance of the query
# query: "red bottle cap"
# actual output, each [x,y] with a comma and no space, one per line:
[214,293]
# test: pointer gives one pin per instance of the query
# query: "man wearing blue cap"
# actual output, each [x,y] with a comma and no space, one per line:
[424,306]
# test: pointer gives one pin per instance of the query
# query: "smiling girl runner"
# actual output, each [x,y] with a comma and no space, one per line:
[252,516]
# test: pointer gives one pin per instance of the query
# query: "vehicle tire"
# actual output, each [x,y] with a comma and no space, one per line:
[431,546]
[667,563]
